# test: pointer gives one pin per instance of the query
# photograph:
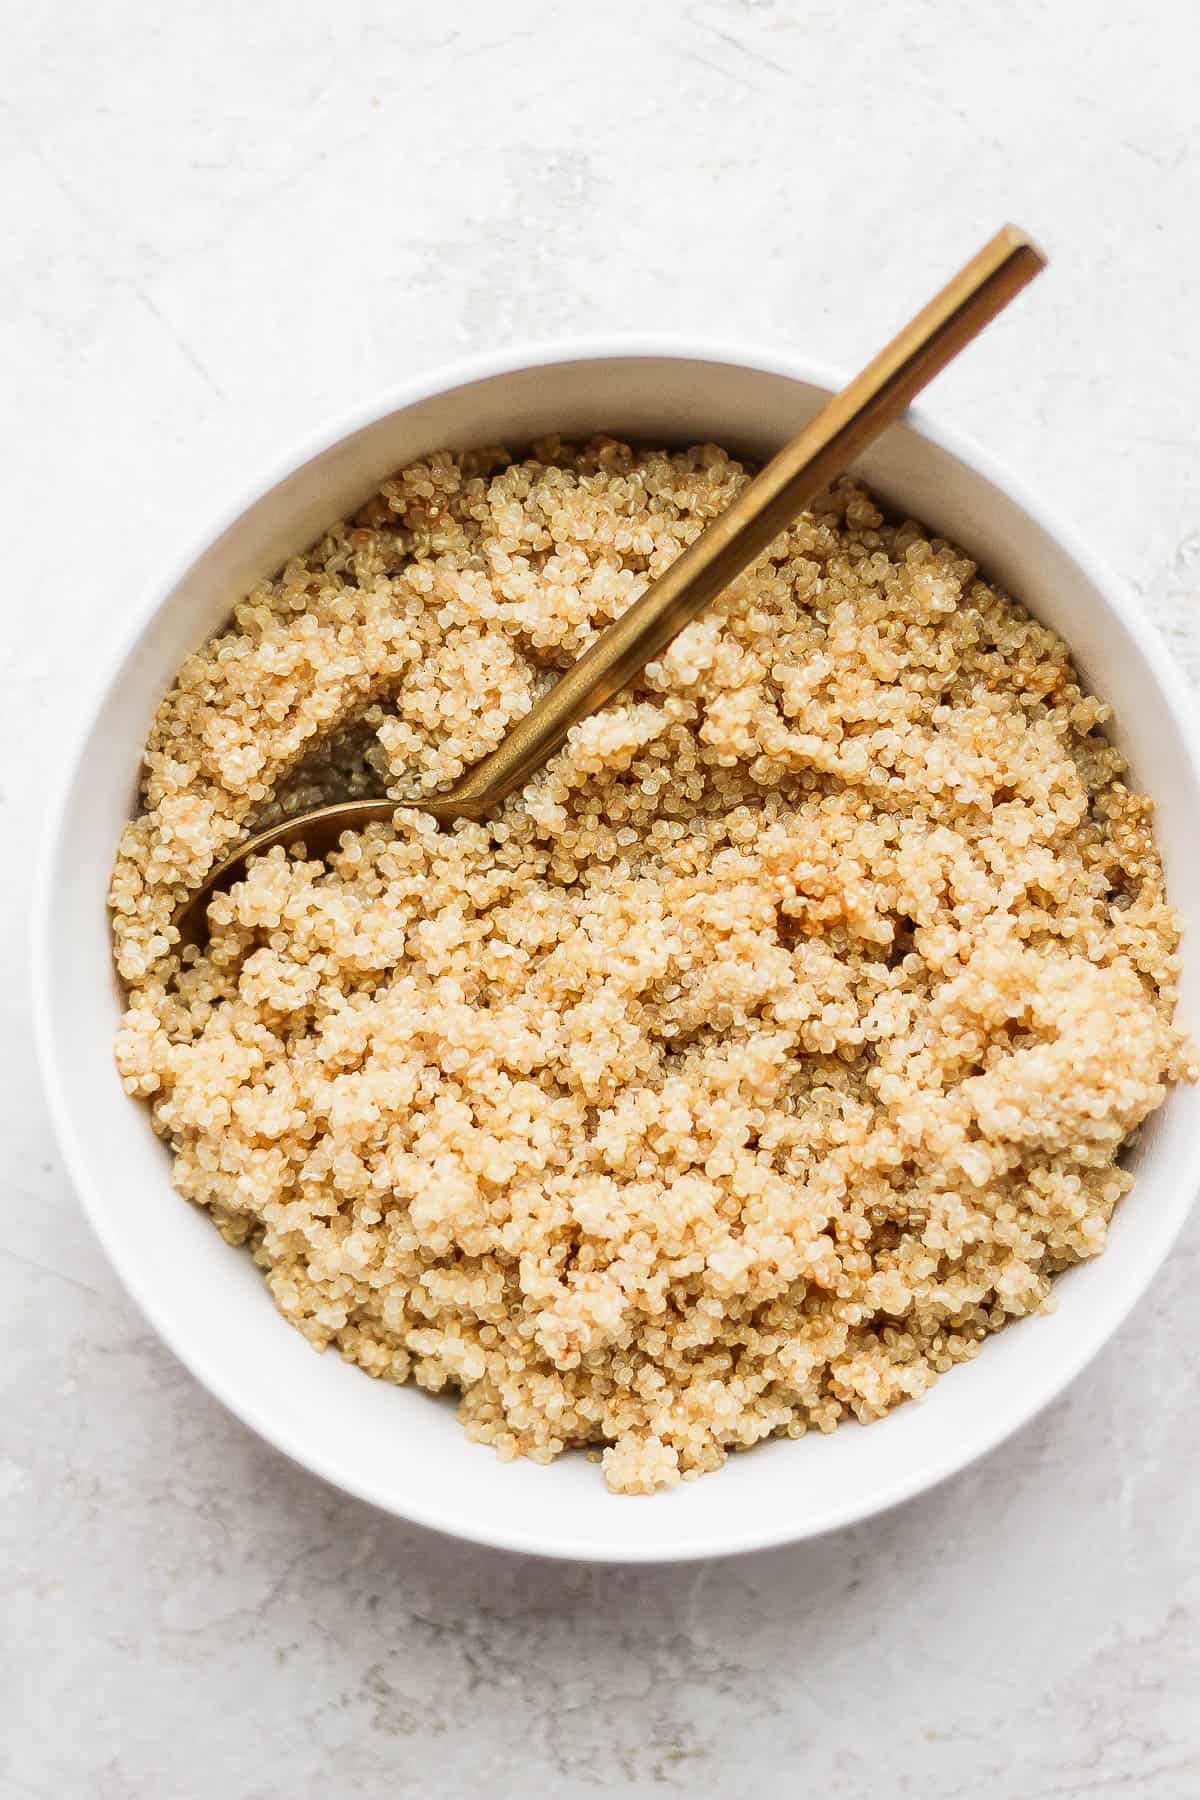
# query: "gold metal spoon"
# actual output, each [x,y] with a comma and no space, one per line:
[825,447]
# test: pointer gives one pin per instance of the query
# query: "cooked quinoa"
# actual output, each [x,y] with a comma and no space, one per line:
[772,1048]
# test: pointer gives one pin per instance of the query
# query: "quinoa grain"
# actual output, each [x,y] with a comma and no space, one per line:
[773,1048]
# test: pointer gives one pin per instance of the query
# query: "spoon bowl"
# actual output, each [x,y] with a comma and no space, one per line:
[320,830]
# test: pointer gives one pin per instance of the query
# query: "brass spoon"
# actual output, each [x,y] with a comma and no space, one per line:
[822,450]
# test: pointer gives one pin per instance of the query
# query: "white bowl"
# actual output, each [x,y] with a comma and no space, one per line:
[397,1447]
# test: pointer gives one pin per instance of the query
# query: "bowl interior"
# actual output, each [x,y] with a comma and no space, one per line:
[395,1446]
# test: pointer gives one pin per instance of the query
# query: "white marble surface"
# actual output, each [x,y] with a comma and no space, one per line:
[217,226]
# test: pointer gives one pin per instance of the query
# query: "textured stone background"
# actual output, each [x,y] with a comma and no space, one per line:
[219,225]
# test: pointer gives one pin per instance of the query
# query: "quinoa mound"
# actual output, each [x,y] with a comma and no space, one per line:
[772,1048]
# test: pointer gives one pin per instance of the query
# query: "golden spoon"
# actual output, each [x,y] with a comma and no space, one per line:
[822,450]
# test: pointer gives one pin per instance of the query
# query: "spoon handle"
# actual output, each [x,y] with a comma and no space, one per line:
[824,448]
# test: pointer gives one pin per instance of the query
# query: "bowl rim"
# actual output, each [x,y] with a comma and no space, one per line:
[1092,1332]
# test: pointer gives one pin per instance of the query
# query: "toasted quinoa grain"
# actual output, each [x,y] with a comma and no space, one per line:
[771,1049]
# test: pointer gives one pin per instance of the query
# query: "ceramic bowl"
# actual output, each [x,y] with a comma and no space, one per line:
[397,1447]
